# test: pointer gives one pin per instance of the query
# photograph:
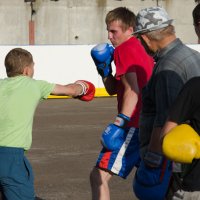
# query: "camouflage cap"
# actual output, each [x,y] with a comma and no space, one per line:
[150,19]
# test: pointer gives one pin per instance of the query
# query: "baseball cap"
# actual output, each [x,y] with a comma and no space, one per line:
[150,19]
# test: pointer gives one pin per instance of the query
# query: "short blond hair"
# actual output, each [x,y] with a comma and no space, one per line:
[122,14]
[16,60]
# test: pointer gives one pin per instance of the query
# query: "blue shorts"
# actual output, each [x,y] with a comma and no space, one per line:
[121,161]
[16,176]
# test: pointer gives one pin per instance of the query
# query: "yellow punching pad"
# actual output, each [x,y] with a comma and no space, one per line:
[182,144]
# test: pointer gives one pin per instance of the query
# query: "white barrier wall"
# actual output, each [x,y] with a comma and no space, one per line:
[63,64]
[59,64]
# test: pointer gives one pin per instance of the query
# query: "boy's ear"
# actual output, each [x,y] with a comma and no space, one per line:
[26,71]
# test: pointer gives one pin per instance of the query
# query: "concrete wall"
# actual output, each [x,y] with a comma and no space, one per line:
[79,21]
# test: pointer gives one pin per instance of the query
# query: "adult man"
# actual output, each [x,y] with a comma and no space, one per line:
[186,109]
[133,70]
[196,20]
[175,64]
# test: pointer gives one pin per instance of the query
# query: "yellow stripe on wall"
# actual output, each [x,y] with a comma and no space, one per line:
[100,92]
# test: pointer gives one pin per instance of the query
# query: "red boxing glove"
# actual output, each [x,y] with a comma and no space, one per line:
[88,90]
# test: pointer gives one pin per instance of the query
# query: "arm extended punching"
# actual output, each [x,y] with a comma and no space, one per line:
[81,89]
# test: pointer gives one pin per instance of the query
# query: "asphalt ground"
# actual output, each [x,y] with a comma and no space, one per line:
[66,143]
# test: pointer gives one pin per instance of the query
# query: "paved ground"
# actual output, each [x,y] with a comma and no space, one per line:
[65,146]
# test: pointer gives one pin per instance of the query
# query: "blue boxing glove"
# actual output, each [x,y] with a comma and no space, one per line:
[102,55]
[114,134]
[151,183]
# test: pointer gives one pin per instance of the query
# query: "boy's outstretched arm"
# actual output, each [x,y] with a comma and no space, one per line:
[81,89]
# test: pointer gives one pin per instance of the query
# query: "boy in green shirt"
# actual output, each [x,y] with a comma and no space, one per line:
[20,95]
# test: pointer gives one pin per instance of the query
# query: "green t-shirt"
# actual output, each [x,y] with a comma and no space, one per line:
[19,97]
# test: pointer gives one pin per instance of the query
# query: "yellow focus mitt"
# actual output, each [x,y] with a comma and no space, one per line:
[182,144]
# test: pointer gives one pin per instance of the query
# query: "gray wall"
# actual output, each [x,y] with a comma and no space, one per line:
[79,21]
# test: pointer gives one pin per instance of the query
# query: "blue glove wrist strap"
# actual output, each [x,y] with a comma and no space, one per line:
[122,120]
